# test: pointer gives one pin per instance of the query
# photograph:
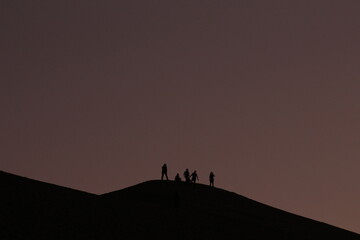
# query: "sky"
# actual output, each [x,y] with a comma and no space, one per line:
[98,95]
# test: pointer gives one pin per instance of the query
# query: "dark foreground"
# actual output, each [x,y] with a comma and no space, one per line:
[31,209]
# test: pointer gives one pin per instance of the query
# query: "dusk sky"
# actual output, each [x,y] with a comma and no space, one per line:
[98,95]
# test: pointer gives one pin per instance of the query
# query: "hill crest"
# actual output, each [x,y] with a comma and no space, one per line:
[154,209]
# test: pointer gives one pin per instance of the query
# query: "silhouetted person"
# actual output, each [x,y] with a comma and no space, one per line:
[211,178]
[177,178]
[187,175]
[164,172]
[194,177]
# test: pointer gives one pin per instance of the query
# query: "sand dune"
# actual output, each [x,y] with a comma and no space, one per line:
[151,210]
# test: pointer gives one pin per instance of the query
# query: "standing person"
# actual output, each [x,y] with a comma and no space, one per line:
[164,172]
[194,177]
[187,175]
[211,178]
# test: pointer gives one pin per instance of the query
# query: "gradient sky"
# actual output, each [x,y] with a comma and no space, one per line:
[97,95]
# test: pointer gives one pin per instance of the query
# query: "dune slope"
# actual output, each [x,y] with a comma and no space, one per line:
[32,209]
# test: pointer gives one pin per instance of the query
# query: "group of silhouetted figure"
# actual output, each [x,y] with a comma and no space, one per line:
[189,178]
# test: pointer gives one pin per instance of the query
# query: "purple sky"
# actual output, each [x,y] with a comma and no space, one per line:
[97,95]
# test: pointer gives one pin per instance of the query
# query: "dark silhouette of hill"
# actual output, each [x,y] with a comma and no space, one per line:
[172,210]
[31,209]
[151,210]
